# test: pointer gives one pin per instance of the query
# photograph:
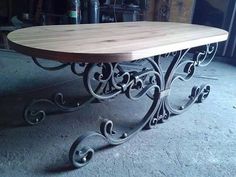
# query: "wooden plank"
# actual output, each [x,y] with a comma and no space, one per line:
[149,13]
[111,42]
[38,11]
[162,10]
[181,11]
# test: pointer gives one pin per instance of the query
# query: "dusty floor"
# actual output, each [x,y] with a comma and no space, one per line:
[200,142]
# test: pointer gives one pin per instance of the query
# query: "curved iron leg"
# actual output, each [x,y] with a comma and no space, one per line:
[34,114]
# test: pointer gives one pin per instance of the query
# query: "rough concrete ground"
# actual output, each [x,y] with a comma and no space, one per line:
[200,142]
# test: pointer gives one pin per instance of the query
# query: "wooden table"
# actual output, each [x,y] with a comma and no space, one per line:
[121,58]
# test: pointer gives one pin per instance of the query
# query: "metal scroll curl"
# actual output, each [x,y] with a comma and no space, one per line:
[53,68]
[205,57]
[76,68]
[114,81]
[35,113]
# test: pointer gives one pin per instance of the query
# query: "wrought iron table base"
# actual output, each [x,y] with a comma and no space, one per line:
[107,80]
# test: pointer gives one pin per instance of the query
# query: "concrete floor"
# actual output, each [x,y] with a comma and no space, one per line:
[200,142]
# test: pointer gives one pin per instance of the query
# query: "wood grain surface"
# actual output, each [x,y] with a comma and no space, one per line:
[111,42]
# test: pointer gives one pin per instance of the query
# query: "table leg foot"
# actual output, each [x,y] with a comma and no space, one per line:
[81,153]
[37,110]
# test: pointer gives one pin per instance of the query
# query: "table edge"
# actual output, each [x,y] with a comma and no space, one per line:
[114,57]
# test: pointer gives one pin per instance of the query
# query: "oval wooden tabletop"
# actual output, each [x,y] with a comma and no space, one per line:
[111,42]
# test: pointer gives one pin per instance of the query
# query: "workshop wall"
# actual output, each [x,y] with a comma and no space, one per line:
[170,10]
[10,8]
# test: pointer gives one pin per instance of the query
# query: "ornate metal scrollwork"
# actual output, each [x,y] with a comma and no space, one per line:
[115,81]
[35,113]
[107,80]
[153,82]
